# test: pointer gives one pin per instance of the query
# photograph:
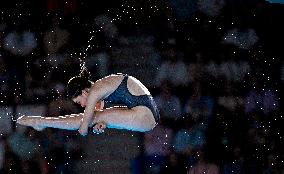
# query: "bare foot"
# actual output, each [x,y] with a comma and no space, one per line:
[32,121]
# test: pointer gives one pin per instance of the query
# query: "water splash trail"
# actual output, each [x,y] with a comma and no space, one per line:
[83,54]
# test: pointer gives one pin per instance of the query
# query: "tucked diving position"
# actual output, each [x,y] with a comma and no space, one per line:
[116,101]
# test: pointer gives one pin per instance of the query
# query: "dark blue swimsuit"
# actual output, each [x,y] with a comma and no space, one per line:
[121,96]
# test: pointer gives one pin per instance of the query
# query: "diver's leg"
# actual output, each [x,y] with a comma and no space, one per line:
[136,119]
[68,122]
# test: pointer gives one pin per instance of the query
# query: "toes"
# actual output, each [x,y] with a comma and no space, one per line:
[21,120]
[29,121]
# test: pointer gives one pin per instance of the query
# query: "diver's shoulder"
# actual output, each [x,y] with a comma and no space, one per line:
[112,77]
[119,74]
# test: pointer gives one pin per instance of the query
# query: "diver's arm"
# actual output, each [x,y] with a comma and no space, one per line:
[100,90]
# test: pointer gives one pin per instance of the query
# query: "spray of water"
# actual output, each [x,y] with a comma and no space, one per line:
[83,54]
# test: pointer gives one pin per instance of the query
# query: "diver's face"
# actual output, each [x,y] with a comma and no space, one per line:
[82,99]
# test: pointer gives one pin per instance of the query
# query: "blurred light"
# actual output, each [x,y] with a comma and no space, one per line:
[276,1]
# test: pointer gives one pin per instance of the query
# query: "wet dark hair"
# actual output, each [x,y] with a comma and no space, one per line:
[78,83]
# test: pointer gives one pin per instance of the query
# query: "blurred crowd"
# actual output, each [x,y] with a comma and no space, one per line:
[213,67]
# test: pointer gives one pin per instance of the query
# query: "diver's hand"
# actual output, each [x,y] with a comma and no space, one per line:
[83,130]
[99,127]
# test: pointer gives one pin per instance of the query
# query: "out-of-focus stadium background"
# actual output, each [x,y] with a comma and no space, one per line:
[214,67]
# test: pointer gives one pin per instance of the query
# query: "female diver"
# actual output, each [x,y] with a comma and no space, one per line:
[116,101]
